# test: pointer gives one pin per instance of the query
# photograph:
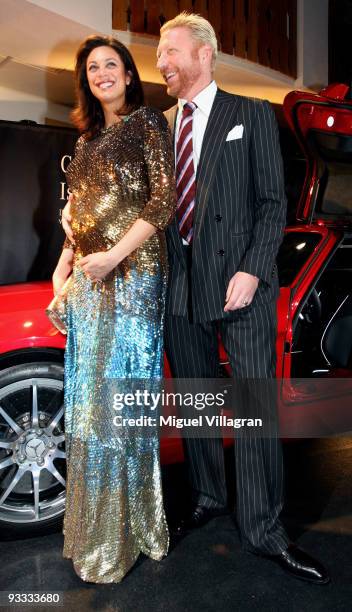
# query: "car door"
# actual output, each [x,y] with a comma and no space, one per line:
[316,356]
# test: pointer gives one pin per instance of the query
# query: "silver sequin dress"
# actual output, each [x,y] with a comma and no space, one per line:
[114,507]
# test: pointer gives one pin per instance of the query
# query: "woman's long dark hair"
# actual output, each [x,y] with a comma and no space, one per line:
[88,115]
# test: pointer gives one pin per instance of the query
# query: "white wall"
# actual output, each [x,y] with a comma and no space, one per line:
[96,14]
[15,106]
[312,43]
[54,38]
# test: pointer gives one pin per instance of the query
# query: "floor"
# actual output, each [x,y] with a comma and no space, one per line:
[207,571]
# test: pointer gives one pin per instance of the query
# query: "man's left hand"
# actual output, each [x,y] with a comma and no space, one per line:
[240,291]
[97,265]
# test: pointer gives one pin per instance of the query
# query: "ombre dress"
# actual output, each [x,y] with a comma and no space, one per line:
[114,507]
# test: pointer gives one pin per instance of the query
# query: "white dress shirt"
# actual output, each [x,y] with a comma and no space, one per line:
[204,101]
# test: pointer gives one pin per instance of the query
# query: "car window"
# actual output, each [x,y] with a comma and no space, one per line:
[334,196]
[294,251]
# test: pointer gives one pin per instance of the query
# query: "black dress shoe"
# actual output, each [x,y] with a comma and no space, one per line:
[199,516]
[300,565]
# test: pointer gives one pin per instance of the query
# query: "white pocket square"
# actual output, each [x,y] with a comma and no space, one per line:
[235,133]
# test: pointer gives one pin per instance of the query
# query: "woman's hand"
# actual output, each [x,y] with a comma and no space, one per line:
[97,265]
[62,270]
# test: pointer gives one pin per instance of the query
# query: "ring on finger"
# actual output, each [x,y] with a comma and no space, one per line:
[245,302]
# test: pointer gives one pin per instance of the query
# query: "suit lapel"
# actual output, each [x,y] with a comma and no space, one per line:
[175,236]
[170,115]
[221,120]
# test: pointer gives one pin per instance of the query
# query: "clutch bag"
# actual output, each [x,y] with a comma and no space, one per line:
[56,311]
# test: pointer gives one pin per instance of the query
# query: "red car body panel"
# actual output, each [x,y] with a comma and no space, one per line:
[23,322]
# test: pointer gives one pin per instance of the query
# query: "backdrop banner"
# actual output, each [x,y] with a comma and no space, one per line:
[33,162]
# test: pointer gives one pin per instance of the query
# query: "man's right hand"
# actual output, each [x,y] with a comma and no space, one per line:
[66,219]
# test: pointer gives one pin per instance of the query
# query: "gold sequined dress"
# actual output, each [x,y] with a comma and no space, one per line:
[114,506]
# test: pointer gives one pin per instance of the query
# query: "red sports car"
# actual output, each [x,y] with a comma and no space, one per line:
[314,339]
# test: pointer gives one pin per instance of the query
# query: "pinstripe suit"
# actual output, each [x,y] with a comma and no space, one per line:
[238,224]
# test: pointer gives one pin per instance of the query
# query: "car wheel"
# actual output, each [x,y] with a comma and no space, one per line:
[32,449]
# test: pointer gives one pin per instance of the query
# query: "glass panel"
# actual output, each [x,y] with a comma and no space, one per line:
[294,251]
[335,193]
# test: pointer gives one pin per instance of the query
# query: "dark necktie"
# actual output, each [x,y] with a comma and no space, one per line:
[185,175]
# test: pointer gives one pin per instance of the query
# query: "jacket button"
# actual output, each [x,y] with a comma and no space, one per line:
[218,217]
[221,252]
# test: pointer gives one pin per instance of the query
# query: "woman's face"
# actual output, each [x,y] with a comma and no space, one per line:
[106,76]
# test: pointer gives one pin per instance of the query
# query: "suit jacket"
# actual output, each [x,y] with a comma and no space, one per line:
[240,210]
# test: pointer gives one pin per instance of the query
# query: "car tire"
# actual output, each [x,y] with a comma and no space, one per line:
[32,451]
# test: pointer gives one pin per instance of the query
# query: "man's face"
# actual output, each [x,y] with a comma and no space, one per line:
[178,59]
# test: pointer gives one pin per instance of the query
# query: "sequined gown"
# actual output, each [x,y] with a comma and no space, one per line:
[114,507]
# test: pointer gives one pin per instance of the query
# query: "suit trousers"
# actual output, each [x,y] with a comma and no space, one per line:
[249,340]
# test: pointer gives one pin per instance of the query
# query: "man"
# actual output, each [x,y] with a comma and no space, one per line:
[222,247]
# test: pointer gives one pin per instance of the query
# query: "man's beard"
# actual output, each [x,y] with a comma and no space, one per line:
[186,78]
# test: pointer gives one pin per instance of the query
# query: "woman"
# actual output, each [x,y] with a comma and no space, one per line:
[121,180]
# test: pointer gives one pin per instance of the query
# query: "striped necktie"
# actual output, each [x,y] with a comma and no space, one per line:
[185,175]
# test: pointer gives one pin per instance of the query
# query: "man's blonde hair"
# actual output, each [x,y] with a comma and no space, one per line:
[200,29]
